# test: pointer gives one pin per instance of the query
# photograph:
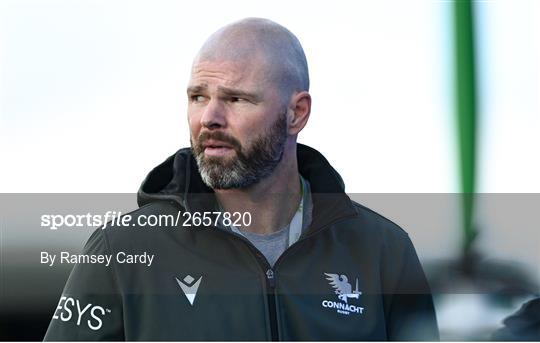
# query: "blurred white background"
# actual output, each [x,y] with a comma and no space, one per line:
[93,92]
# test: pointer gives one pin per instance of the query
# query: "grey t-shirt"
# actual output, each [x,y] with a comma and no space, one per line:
[270,245]
[274,244]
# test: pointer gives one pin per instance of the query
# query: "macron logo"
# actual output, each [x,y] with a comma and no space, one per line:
[189,287]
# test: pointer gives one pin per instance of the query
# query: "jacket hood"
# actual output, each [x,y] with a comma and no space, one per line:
[178,179]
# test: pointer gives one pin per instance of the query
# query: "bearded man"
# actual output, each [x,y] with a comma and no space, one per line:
[269,246]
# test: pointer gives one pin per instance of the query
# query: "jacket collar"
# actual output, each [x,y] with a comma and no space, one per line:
[178,179]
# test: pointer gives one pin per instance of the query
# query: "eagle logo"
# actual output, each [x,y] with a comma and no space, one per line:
[342,287]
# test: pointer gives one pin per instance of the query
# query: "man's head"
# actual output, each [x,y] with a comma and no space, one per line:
[248,100]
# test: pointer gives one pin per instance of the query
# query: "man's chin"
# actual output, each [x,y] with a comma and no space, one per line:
[218,165]
[219,162]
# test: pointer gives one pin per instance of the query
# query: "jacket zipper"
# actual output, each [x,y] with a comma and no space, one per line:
[272,304]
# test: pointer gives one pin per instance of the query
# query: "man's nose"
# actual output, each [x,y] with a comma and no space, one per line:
[214,115]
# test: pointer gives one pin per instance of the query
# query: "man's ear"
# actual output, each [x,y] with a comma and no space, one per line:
[299,110]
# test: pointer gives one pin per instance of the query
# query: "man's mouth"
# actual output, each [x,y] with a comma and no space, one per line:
[216,148]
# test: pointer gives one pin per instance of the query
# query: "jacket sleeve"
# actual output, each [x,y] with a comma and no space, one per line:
[410,314]
[90,307]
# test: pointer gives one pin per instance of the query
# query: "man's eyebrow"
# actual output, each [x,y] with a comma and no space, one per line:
[239,93]
[197,89]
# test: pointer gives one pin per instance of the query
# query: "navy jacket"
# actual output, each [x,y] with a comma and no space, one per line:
[352,275]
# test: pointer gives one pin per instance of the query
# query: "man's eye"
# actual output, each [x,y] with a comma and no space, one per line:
[237,99]
[197,98]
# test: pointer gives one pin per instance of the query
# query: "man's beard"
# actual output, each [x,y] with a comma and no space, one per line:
[250,165]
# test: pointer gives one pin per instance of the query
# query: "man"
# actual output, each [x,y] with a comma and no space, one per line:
[278,252]
[524,325]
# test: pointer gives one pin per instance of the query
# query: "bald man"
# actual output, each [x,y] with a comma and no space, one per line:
[257,239]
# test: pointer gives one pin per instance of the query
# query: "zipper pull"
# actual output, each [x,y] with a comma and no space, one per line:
[270,278]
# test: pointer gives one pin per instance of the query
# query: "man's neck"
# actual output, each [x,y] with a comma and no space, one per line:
[272,202]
